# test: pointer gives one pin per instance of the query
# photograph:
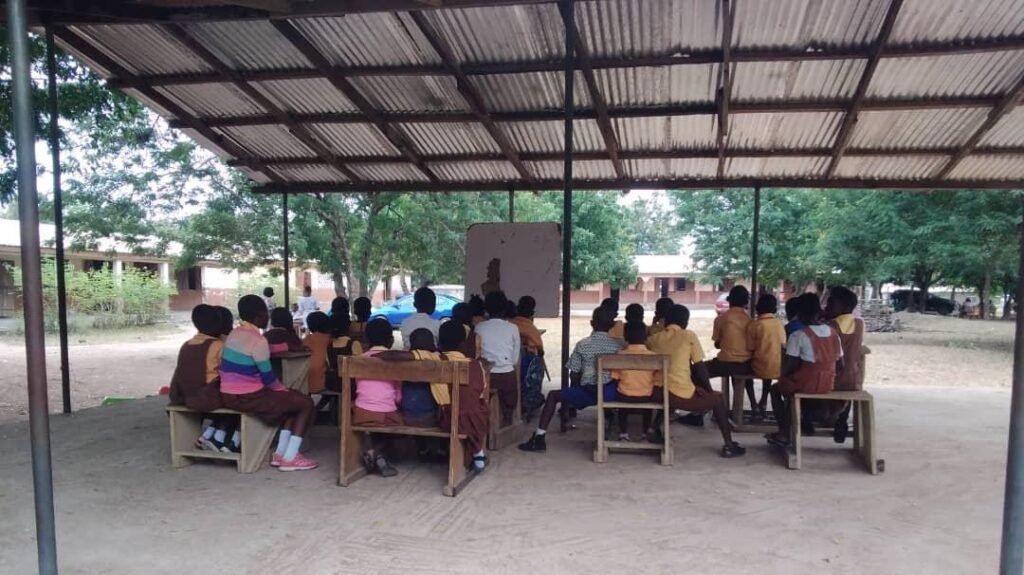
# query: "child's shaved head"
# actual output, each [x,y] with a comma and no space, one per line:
[206,319]
[422,339]
[636,333]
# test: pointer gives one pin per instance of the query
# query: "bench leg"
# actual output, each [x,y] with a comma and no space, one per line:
[457,475]
[350,457]
[185,427]
[600,450]
[256,439]
[868,448]
[793,456]
[667,454]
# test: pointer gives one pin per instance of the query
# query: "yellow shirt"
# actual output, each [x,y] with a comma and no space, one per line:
[342,342]
[213,354]
[657,327]
[442,396]
[636,382]
[441,391]
[529,333]
[847,323]
[618,330]
[766,338]
[730,333]
[684,350]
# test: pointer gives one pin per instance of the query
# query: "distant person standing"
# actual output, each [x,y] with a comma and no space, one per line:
[307,303]
[268,298]
[425,302]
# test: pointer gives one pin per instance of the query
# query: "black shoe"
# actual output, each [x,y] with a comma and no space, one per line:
[840,431]
[385,468]
[233,448]
[733,450]
[691,419]
[536,443]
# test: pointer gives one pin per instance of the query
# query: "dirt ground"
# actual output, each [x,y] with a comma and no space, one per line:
[942,407]
[931,350]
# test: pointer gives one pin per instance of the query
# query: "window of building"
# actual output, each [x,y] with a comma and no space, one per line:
[680,284]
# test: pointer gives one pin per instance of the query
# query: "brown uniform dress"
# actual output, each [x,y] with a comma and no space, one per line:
[851,376]
[474,415]
[188,384]
[318,344]
[817,377]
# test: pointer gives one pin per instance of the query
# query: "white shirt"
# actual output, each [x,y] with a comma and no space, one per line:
[799,343]
[499,344]
[269,301]
[415,322]
[307,305]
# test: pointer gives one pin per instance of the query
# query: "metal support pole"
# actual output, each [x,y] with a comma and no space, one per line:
[754,250]
[32,287]
[58,220]
[1011,560]
[568,17]
[511,205]
[287,254]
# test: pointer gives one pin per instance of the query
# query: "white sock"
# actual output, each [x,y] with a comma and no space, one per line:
[539,431]
[478,464]
[219,435]
[293,448]
[208,432]
[282,441]
[236,438]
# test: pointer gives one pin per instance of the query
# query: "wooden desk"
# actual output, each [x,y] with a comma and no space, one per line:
[295,370]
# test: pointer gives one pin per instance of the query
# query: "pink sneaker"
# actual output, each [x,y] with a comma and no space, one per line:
[300,463]
[275,460]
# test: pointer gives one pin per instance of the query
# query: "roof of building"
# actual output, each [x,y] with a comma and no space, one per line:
[676,265]
[10,237]
[363,95]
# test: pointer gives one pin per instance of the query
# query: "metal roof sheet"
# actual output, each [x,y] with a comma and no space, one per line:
[360,40]
[212,100]
[652,169]
[796,130]
[550,136]
[248,44]
[807,23]
[306,96]
[977,74]
[668,133]
[807,80]
[354,139]
[634,28]
[583,169]
[887,167]
[933,21]
[143,48]
[989,167]
[412,93]
[655,86]
[309,173]
[475,171]
[397,172]
[269,141]
[530,91]
[1009,131]
[502,33]
[801,166]
[916,128]
[434,139]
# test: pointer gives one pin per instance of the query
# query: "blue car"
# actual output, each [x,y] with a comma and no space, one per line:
[401,308]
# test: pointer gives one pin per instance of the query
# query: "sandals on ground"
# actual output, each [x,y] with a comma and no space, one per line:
[733,450]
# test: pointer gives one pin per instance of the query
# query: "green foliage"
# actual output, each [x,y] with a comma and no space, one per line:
[653,227]
[101,299]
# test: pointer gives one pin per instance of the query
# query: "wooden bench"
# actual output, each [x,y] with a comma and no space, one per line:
[186,425]
[863,422]
[637,362]
[453,373]
[498,436]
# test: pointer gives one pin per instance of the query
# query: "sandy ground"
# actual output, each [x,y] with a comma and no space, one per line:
[121,508]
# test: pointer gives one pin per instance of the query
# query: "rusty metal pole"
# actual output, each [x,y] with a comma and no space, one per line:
[1011,560]
[568,17]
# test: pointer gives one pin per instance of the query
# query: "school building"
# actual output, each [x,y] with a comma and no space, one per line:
[658,276]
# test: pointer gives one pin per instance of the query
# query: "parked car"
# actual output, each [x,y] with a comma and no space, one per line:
[900,300]
[722,304]
[401,308]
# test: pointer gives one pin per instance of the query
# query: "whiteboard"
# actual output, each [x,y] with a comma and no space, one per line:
[530,261]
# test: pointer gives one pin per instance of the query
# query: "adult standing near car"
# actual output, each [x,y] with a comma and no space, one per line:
[425,302]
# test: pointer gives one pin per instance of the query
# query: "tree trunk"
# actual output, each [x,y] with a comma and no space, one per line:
[952,294]
[876,290]
[987,289]
[338,276]
[403,281]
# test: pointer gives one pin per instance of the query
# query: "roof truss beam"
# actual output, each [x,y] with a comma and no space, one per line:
[300,131]
[1001,109]
[850,120]
[724,83]
[470,94]
[343,85]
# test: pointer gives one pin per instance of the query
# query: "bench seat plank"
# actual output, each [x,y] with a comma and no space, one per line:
[405,430]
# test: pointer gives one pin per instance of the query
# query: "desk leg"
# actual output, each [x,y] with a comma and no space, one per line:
[793,457]
[738,393]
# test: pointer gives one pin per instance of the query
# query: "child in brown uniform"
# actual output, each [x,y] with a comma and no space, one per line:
[281,336]
[766,339]
[730,336]
[612,307]
[317,341]
[635,386]
[361,308]
[812,355]
[473,411]
[850,377]
[196,380]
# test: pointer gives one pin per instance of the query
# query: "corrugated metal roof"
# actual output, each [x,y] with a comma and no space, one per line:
[1008,132]
[307,96]
[649,27]
[978,74]
[672,168]
[550,136]
[781,167]
[807,23]
[212,100]
[986,167]
[143,48]
[922,21]
[903,167]
[248,44]
[412,93]
[810,79]
[583,170]
[474,171]
[502,33]
[309,173]
[916,128]
[354,139]
[435,139]
[796,130]
[532,91]
[272,141]
[360,40]
[397,172]
[670,133]
[654,86]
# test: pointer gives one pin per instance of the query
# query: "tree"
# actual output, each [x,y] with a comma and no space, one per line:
[653,227]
